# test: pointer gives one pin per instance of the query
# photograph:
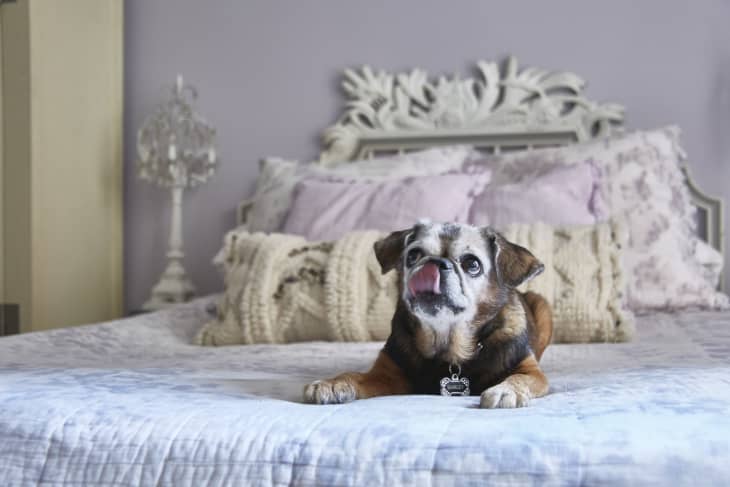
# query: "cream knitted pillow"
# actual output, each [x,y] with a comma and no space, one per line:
[583,279]
[281,288]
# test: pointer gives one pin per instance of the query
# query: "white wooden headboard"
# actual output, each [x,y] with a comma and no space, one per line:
[508,110]
[496,111]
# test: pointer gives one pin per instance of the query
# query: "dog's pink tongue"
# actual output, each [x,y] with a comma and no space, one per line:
[427,279]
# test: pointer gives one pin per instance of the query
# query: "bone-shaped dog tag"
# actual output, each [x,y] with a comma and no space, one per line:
[455,385]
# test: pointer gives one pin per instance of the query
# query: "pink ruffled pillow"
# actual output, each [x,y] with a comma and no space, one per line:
[640,182]
[326,209]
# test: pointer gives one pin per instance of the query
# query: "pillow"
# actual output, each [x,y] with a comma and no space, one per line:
[641,182]
[583,279]
[563,196]
[278,177]
[283,288]
[327,209]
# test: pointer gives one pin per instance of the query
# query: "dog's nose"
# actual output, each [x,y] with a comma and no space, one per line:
[443,264]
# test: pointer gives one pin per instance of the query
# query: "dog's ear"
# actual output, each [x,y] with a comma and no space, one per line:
[388,250]
[514,264]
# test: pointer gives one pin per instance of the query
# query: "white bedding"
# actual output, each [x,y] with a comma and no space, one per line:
[131,402]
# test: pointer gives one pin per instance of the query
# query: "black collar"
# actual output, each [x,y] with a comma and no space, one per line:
[486,331]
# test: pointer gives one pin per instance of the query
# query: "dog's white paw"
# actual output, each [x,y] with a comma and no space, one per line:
[504,395]
[335,391]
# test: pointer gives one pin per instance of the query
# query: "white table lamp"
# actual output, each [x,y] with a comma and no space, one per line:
[176,150]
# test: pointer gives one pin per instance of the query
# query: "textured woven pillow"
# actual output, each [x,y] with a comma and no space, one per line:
[274,192]
[641,183]
[583,279]
[281,288]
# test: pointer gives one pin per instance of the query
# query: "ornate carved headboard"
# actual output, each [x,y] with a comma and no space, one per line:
[511,110]
[496,111]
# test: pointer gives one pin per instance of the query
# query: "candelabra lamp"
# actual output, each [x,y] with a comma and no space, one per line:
[176,149]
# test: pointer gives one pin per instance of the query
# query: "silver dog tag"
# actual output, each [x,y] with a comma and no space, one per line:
[455,385]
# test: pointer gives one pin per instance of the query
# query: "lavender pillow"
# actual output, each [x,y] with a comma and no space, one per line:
[278,178]
[562,196]
[326,209]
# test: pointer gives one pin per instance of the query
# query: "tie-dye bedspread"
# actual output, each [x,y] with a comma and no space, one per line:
[131,402]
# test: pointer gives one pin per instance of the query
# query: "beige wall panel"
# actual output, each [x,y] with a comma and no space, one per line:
[63,175]
[76,129]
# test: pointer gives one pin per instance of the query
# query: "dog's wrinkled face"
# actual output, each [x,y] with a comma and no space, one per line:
[445,270]
[451,275]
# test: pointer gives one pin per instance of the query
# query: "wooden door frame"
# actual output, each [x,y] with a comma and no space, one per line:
[16,157]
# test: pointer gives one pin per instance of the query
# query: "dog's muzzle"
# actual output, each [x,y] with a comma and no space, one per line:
[430,288]
[428,278]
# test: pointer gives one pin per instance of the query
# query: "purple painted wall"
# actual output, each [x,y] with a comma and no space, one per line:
[268,74]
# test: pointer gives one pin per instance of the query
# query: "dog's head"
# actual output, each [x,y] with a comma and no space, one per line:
[453,278]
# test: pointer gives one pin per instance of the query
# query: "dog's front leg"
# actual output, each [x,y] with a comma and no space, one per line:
[383,379]
[525,383]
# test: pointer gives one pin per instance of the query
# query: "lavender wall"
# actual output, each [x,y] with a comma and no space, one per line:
[268,73]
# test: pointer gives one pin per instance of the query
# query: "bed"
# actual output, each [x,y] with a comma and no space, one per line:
[133,402]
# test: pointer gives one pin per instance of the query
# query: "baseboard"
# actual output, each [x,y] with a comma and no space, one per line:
[9,319]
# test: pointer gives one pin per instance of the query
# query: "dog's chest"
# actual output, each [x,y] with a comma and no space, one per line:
[480,374]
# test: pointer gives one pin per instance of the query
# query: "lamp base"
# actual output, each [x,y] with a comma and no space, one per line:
[174,287]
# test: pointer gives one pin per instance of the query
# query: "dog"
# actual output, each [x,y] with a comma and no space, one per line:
[460,326]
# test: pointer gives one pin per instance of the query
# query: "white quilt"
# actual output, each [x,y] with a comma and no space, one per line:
[132,402]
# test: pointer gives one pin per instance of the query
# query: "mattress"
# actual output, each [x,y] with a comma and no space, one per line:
[132,402]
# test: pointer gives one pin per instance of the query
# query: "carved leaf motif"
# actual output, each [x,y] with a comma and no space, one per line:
[489,88]
[409,102]
[414,85]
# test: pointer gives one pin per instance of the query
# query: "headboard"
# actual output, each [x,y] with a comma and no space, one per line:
[494,111]
[498,110]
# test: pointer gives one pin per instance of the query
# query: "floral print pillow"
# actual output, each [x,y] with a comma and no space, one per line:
[641,183]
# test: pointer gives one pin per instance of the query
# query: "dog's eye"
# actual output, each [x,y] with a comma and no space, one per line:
[471,265]
[413,256]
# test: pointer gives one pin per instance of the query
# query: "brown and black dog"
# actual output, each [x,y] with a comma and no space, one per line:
[458,312]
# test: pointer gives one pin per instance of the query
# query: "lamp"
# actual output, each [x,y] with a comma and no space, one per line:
[176,151]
